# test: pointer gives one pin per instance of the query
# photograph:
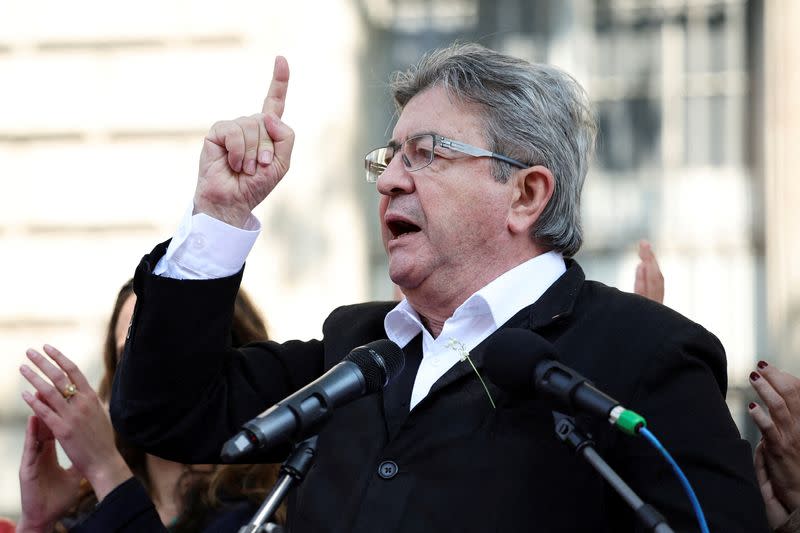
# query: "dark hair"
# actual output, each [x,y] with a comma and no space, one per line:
[200,491]
[110,355]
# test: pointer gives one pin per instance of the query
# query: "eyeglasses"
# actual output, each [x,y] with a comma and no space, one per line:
[418,152]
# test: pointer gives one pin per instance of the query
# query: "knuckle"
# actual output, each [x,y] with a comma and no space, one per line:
[67,433]
[249,126]
[777,448]
[792,441]
[52,396]
[232,130]
[83,409]
[789,395]
[776,403]
[765,424]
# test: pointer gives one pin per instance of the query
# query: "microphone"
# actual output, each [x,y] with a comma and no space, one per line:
[365,370]
[520,361]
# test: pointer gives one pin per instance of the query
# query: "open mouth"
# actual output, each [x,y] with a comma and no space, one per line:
[400,228]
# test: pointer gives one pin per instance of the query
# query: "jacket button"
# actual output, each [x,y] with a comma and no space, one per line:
[387,469]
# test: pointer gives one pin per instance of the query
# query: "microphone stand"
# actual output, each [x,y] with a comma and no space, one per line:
[293,471]
[567,432]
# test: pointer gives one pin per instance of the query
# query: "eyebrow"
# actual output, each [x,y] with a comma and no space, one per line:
[394,143]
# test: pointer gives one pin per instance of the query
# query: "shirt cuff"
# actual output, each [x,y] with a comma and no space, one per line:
[206,248]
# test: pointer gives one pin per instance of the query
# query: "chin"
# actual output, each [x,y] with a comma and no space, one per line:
[403,276]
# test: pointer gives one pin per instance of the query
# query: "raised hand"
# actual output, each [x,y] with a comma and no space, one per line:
[47,489]
[76,418]
[244,159]
[649,280]
[777,513]
[779,449]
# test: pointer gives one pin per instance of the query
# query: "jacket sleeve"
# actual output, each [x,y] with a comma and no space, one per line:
[180,389]
[126,509]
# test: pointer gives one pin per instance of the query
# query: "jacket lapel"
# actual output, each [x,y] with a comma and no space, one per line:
[397,395]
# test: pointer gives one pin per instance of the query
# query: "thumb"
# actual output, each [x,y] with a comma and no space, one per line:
[73,472]
[30,447]
[282,138]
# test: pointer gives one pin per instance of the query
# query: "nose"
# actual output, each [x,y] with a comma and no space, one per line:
[395,179]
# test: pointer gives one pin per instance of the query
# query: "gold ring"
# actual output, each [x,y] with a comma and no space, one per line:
[69,391]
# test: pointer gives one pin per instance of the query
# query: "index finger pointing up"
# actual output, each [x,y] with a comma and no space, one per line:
[276,96]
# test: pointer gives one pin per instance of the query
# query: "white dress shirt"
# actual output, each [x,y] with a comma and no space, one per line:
[474,320]
[207,248]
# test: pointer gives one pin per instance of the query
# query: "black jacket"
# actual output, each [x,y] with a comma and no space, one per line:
[461,465]
[128,509]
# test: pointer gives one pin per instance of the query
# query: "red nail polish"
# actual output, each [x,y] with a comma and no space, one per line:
[752,405]
[754,376]
[762,365]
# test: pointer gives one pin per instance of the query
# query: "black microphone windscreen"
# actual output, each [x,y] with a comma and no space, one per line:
[379,361]
[511,358]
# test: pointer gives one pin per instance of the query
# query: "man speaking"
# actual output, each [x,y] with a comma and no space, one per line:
[479,190]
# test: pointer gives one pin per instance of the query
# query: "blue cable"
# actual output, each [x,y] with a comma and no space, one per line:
[701,519]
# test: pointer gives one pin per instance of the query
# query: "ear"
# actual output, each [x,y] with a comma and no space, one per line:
[533,188]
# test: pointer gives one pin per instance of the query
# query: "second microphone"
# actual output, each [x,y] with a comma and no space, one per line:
[365,370]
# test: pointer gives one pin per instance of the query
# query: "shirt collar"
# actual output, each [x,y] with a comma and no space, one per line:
[502,298]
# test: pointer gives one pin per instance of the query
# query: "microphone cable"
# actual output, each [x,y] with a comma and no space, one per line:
[687,487]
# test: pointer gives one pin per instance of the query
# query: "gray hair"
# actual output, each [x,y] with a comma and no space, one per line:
[534,113]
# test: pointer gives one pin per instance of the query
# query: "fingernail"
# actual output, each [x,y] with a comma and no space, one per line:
[754,376]
[752,405]
[265,157]
[27,396]
[762,365]
[250,168]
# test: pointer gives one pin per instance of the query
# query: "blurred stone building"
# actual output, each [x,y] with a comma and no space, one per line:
[104,107]
[696,102]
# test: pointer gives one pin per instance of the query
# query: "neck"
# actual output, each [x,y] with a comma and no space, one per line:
[164,476]
[432,325]
[436,299]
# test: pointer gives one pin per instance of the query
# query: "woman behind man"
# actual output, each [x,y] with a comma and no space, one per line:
[137,491]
